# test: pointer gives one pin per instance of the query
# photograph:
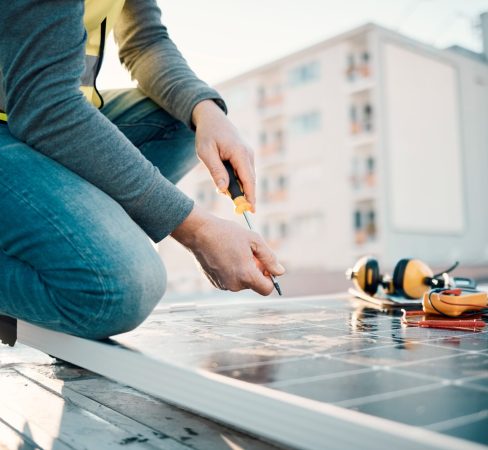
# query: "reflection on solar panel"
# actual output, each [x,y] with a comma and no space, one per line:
[327,351]
[330,351]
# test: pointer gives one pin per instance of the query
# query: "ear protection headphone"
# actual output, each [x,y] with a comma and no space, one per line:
[411,278]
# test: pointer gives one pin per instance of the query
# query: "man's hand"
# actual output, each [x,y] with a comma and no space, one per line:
[217,140]
[232,257]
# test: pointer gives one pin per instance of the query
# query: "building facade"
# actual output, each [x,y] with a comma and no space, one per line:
[367,143]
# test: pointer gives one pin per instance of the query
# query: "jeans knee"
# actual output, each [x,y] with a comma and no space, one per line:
[118,301]
[134,296]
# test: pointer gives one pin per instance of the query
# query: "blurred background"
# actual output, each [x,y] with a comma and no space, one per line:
[369,120]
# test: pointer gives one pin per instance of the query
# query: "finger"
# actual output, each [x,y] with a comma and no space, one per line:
[260,266]
[242,162]
[266,257]
[212,161]
[258,282]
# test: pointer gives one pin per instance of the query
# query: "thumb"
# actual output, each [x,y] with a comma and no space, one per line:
[266,257]
[212,161]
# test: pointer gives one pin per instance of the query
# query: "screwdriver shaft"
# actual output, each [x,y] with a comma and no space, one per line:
[273,279]
[248,220]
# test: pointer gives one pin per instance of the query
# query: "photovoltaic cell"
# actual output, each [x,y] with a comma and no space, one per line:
[335,351]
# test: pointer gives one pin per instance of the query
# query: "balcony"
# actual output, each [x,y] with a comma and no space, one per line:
[361,114]
[365,229]
[359,86]
[363,179]
[275,196]
[271,149]
[358,64]
[271,141]
[270,101]
[362,139]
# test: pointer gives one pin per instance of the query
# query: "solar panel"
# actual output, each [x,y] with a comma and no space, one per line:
[332,351]
[308,373]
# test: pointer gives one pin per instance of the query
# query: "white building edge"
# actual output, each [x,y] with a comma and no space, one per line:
[366,143]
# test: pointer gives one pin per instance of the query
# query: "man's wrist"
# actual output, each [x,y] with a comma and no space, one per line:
[204,108]
[187,232]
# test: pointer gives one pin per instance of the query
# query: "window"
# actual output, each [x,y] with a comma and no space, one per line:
[283,230]
[264,186]
[304,74]
[265,231]
[350,67]
[364,69]
[368,117]
[353,116]
[263,138]
[353,113]
[306,123]
[370,177]
[282,182]
[357,220]
[371,226]
[278,136]
[371,217]
[370,165]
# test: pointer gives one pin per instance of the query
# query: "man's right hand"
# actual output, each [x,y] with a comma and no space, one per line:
[232,257]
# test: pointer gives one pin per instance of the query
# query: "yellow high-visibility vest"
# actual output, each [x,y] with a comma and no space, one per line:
[99,19]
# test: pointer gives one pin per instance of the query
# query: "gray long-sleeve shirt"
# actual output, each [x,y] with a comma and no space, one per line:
[41,62]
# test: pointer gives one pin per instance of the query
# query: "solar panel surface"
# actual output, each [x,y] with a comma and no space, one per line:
[335,351]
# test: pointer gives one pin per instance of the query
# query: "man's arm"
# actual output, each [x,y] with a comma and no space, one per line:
[152,58]
[232,257]
[42,59]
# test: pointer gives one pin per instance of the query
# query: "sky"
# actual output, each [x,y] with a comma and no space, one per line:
[224,38]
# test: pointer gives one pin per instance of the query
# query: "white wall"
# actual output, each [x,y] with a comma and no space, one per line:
[464,82]
[423,143]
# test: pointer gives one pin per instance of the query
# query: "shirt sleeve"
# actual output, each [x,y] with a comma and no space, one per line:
[152,58]
[42,60]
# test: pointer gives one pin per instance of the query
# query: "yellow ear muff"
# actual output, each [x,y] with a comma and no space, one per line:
[409,278]
[365,275]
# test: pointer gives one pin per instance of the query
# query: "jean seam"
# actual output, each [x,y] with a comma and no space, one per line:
[37,320]
[166,128]
[61,232]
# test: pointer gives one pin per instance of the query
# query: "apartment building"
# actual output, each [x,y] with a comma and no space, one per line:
[366,143]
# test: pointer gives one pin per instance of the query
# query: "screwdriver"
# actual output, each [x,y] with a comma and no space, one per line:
[242,206]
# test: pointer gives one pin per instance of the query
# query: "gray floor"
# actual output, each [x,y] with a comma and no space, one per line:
[49,404]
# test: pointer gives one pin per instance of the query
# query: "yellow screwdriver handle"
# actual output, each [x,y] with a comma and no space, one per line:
[235,191]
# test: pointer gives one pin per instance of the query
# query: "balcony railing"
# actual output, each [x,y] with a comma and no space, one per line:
[270,101]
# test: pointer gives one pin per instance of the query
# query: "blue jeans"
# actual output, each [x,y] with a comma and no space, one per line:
[71,258]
